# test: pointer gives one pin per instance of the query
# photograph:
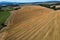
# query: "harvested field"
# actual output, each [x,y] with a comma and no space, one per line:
[34,23]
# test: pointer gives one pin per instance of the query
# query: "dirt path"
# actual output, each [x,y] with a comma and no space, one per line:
[4,32]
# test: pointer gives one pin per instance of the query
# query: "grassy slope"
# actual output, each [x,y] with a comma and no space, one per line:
[3,16]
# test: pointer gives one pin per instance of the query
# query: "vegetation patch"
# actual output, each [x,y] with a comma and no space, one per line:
[3,17]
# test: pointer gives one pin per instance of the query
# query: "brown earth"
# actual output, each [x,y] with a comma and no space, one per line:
[34,23]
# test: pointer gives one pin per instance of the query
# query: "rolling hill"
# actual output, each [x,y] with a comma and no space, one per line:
[33,23]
